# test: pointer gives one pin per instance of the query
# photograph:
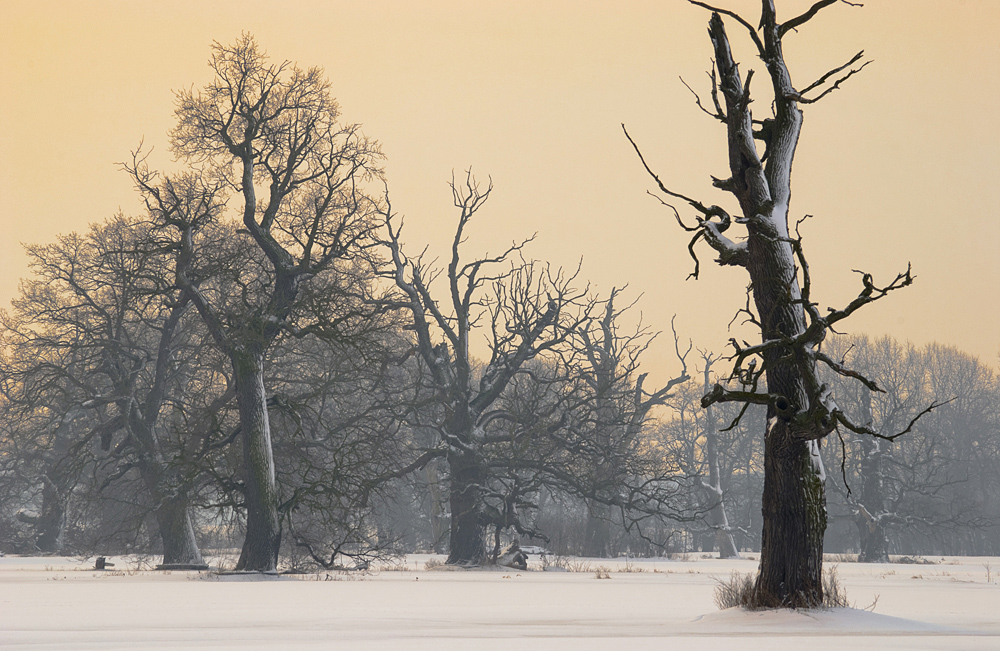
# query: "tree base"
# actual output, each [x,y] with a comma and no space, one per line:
[200,567]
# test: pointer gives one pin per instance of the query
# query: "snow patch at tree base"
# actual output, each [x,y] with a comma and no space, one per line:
[825,621]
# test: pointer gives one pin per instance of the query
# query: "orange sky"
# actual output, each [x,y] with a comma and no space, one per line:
[899,165]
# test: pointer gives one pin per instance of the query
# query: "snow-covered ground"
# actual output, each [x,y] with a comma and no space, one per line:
[61,603]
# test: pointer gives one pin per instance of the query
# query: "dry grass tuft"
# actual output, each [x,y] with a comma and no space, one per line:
[738,591]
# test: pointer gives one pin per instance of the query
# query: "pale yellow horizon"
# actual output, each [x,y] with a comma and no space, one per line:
[902,164]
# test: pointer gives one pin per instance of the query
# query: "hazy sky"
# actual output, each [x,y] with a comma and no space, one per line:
[899,165]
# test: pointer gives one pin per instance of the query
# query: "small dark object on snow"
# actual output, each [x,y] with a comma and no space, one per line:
[102,563]
[513,557]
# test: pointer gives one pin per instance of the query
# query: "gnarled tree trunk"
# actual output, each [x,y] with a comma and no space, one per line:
[170,509]
[50,523]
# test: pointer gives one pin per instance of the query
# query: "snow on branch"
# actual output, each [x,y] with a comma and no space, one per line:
[742,21]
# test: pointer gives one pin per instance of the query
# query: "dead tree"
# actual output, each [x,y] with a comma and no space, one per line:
[800,408]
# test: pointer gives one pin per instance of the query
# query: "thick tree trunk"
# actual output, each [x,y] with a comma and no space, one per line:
[597,535]
[177,533]
[263,537]
[468,528]
[50,524]
[170,509]
[794,499]
[794,519]
[173,520]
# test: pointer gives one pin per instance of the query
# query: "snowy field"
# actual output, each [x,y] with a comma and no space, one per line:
[61,603]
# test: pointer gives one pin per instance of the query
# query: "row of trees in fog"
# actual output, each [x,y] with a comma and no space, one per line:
[259,358]
[286,370]
[361,469]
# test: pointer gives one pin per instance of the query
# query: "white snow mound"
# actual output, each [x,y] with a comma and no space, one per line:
[827,621]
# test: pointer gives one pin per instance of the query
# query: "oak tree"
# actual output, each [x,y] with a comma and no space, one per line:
[781,370]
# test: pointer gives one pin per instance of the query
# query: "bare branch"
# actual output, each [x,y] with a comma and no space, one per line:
[697,205]
[812,11]
[842,418]
[800,95]
[719,114]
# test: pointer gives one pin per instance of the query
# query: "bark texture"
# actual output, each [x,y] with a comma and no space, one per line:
[263,536]
[467,540]
[794,519]
[177,533]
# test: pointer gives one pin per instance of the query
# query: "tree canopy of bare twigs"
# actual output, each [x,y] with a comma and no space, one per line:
[268,129]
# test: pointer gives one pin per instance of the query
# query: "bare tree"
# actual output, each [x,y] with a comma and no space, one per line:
[559,407]
[723,457]
[102,341]
[718,519]
[527,309]
[618,406]
[927,490]
[271,127]
[801,410]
